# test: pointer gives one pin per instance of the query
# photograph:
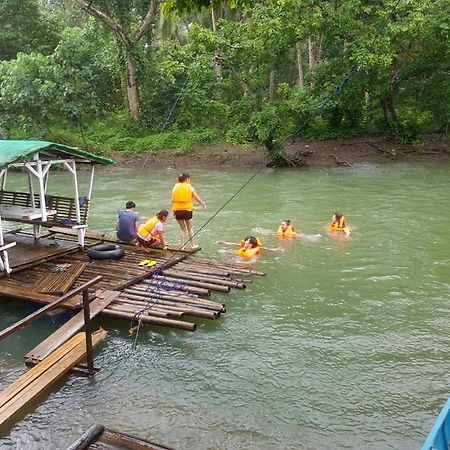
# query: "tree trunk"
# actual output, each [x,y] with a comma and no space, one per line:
[311,61]
[318,58]
[126,40]
[300,79]
[387,102]
[271,85]
[390,116]
[216,62]
[132,86]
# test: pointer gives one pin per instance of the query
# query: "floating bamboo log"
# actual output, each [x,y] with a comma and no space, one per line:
[188,326]
[168,283]
[197,284]
[187,309]
[145,309]
[189,302]
[203,279]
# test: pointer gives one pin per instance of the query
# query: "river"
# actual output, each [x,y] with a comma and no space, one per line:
[344,344]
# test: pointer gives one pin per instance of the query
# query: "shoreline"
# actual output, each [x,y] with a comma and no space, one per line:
[298,153]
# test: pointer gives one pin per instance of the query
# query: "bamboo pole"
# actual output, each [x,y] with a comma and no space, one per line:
[190,310]
[197,284]
[188,326]
[167,283]
[153,312]
[203,279]
[198,304]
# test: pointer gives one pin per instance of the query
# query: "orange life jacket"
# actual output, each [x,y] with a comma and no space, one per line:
[249,252]
[182,197]
[338,225]
[289,232]
[147,228]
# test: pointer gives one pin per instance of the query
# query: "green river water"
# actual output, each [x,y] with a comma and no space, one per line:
[344,344]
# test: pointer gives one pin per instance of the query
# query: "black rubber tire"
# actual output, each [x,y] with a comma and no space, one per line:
[106,251]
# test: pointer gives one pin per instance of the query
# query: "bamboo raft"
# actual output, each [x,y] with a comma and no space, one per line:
[176,289]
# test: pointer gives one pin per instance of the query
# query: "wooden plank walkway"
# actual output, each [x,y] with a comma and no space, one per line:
[71,327]
[17,396]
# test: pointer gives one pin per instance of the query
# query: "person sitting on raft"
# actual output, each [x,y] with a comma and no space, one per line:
[151,234]
[250,246]
[287,230]
[127,223]
[339,224]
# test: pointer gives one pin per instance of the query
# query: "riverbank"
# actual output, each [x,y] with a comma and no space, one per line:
[299,153]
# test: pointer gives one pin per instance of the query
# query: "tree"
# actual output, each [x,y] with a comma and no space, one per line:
[128,20]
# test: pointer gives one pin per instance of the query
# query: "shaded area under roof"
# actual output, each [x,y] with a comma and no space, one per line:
[15,151]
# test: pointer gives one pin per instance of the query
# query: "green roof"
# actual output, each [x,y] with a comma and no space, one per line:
[21,151]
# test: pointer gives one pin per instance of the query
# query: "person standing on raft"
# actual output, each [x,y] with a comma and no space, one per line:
[183,195]
[287,230]
[339,224]
[151,234]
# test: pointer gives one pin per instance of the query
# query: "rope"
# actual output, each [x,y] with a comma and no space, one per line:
[320,107]
[180,94]
[150,304]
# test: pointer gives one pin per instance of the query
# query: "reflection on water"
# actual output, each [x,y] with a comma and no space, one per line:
[344,344]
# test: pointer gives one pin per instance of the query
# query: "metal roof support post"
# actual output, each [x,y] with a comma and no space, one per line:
[80,230]
[31,190]
[3,173]
[36,228]
[91,182]
[4,261]
[40,177]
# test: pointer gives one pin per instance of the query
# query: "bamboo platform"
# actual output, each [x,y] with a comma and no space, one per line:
[17,396]
[98,437]
[174,292]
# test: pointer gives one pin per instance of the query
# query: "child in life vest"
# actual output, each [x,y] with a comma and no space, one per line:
[339,224]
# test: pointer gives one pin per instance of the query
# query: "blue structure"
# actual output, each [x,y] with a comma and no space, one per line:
[439,437]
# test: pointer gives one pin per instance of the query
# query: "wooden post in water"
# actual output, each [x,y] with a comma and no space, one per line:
[88,332]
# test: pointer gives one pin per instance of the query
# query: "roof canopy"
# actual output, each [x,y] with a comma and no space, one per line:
[13,152]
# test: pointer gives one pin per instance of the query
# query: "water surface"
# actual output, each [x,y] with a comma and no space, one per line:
[344,344]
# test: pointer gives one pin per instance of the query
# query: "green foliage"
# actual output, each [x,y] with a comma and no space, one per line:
[238,82]
[24,27]
[118,133]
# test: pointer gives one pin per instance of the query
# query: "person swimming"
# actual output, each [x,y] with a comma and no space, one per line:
[339,223]
[287,230]
[250,246]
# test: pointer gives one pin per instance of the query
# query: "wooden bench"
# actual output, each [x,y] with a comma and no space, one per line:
[65,208]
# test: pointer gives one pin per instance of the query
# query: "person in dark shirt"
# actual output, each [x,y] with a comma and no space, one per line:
[128,223]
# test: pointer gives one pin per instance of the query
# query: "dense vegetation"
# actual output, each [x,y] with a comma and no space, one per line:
[113,74]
